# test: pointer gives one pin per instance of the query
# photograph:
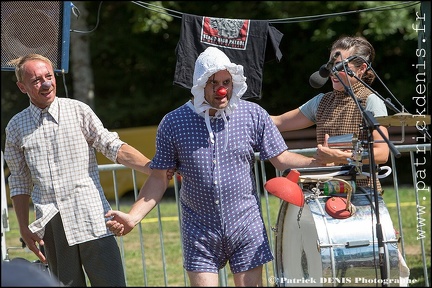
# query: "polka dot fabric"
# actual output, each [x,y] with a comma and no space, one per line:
[221,220]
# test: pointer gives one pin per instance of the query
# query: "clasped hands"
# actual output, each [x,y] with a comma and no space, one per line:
[121,223]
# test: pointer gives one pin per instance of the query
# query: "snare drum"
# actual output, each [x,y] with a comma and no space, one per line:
[314,249]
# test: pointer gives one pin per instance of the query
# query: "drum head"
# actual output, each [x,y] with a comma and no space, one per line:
[315,249]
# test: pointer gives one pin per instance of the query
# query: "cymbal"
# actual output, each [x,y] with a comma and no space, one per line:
[404,119]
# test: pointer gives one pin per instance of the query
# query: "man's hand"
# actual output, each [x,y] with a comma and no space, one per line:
[30,239]
[170,173]
[120,223]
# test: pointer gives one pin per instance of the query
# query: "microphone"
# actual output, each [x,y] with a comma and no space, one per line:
[340,66]
[324,70]
[316,81]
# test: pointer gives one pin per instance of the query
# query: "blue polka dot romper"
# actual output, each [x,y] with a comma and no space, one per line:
[221,220]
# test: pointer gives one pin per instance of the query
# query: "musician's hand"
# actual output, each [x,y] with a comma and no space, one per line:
[326,137]
[326,156]
[329,157]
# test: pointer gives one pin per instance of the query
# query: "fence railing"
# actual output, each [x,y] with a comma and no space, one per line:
[417,152]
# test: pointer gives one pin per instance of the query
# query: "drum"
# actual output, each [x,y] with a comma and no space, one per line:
[314,249]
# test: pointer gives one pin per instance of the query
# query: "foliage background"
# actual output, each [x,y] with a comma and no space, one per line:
[132,53]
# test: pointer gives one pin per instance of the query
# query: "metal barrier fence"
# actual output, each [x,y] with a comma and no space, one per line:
[417,154]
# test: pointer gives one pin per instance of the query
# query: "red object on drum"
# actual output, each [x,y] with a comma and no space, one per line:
[286,188]
[336,207]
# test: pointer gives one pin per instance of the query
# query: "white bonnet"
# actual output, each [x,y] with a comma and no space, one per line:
[210,61]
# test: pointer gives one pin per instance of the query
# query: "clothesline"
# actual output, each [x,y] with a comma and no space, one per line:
[177,14]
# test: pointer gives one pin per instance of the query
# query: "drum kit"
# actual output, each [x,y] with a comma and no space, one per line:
[329,238]
[404,119]
[326,226]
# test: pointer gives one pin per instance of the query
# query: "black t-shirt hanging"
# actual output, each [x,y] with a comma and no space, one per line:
[243,41]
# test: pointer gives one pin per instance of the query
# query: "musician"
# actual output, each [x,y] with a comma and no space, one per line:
[336,113]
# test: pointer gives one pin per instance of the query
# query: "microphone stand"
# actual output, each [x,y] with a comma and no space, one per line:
[387,101]
[371,125]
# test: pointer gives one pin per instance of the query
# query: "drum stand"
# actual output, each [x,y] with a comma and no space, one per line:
[371,124]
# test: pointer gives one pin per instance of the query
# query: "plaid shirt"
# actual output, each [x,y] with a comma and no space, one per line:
[50,156]
[338,114]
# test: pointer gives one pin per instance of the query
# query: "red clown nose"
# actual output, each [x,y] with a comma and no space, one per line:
[222,91]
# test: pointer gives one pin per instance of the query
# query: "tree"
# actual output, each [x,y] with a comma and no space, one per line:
[132,53]
[82,72]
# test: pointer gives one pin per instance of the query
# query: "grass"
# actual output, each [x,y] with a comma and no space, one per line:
[158,258]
